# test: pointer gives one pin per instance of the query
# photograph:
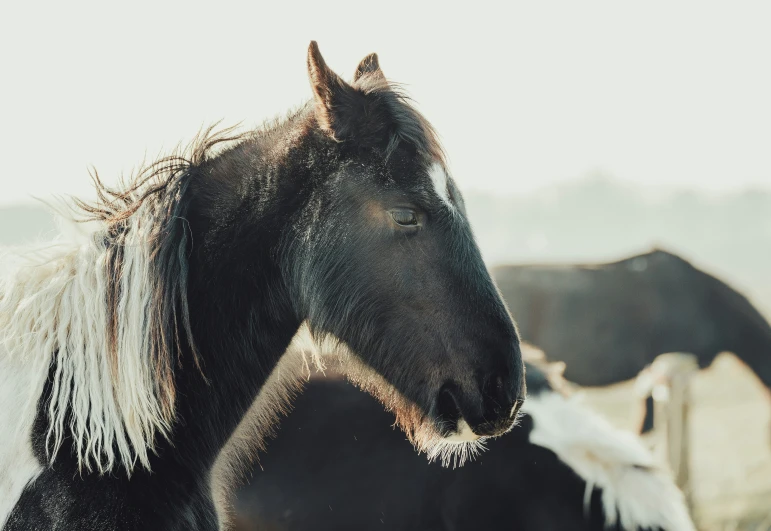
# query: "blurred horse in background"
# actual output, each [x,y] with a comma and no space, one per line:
[609,321]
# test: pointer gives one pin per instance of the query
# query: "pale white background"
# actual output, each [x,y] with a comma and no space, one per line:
[524,94]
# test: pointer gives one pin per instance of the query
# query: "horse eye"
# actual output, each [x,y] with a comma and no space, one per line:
[404,217]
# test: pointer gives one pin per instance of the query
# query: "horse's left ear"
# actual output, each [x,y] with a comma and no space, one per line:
[368,66]
[330,92]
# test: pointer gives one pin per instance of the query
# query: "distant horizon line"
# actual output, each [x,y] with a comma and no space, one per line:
[620,182]
[580,180]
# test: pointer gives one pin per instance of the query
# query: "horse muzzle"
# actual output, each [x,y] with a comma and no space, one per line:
[489,412]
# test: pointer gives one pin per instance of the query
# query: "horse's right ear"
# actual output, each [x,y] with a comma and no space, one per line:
[368,66]
[330,92]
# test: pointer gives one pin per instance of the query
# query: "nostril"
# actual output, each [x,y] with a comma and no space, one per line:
[489,411]
[447,407]
[496,394]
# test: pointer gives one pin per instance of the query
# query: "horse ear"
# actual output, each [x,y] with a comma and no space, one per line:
[369,65]
[329,90]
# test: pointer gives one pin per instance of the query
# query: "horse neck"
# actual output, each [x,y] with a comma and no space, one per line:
[241,316]
[748,334]
[239,344]
[752,344]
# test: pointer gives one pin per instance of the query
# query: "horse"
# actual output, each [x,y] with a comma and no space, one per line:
[609,321]
[140,363]
[339,465]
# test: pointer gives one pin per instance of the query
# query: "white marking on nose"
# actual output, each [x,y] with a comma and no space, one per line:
[464,433]
[438,177]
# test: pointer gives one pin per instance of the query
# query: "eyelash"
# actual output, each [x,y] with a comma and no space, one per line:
[404,217]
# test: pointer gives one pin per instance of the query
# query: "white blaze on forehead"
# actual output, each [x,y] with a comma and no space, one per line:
[438,177]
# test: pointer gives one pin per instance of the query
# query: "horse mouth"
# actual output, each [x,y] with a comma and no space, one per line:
[454,442]
[454,426]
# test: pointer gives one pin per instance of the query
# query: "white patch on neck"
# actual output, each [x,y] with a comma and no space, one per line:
[609,459]
[438,177]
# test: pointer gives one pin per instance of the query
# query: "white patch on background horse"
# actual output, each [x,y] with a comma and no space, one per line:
[635,493]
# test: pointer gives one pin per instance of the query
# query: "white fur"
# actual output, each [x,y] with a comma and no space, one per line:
[454,453]
[454,450]
[463,434]
[438,176]
[52,303]
[19,385]
[608,458]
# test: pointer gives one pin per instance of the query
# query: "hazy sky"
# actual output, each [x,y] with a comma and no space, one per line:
[654,92]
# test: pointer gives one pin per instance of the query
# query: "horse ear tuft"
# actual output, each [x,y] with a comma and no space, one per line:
[328,89]
[368,66]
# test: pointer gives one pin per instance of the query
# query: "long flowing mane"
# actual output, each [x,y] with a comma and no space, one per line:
[101,318]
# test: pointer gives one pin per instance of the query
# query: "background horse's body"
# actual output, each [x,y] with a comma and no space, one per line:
[338,464]
[607,322]
[129,360]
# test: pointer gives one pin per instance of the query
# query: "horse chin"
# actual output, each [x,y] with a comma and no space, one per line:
[452,445]
[452,448]
[454,453]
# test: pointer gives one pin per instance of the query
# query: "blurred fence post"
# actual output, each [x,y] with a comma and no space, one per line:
[668,381]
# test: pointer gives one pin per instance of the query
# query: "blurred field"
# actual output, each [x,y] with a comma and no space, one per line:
[602,220]
[731,443]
